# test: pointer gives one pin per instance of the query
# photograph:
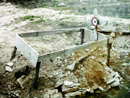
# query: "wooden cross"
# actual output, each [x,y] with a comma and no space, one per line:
[95,22]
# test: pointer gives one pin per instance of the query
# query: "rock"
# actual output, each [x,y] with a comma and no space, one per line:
[126,64]
[22,81]
[91,90]
[86,50]
[8,69]
[68,83]
[116,83]
[73,95]
[61,4]
[50,93]
[57,95]
[114,79]
[69,89]
[95,86]
[71,67]
[46,96]
[113,34]
[104,63]
[110,81]
[71,84]
[85,90]
[100,88]
[58,83]
[108,69]
[93,57]
[9,64]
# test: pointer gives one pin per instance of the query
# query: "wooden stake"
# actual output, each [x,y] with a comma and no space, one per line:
[13,53]
[35,86]
[109,47]
[82,36]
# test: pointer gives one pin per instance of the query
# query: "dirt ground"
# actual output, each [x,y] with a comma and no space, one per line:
[92,67]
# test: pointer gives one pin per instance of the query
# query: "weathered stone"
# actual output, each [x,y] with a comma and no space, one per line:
[8,69]
[68,89]
[9,64]
[113,34]
[95,86]
[84,90]
[93,57]
[110,81]
[116,83]
[22,81]
[91,90]
[57,95]
[71,84]
[50,93]
[108,69]
[74,94]
[58,83]
[61,4]
[100,88]
[71,67]
[68,83]
[46,95]
[126,64]
[86,49]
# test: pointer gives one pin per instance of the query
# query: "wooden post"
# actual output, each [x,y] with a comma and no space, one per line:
[13,53]
[82,36]
[35,86]
[108,47]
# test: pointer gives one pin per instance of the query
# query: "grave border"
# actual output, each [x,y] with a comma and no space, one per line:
[35,58]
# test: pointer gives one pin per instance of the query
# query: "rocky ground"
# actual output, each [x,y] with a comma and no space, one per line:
[91,77]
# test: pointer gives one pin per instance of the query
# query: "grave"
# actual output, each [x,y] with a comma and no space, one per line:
[86,42]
